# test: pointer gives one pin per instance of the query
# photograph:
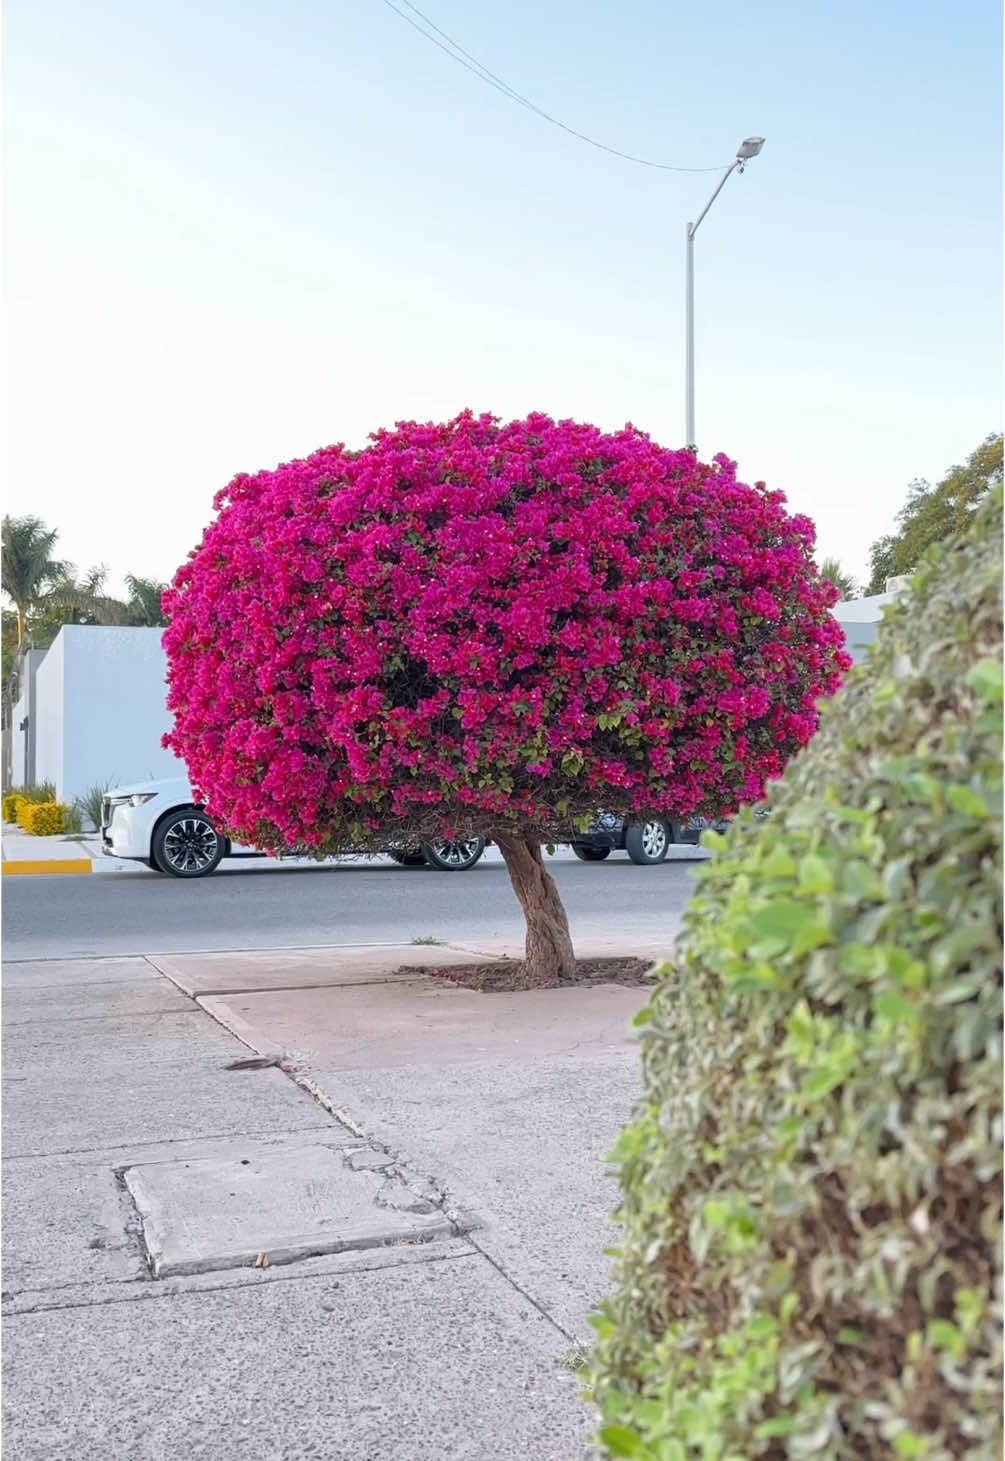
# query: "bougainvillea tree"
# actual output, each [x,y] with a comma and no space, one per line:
[477,629]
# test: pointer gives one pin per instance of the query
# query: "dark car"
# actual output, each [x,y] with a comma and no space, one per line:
[647,841]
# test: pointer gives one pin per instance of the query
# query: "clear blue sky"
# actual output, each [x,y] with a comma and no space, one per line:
[236,232]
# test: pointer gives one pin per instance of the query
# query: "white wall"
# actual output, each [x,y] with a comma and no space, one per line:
[857,639]
[49,715]
[860,619]
[101,709]
[19,743]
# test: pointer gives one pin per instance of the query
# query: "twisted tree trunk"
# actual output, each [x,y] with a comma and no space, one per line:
[549,953]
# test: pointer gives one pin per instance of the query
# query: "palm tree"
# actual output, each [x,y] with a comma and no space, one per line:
[29,568]
[73,600]
[846,586]
[144,604]
[47,593]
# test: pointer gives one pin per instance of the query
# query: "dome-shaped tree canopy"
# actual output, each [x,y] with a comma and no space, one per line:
[486,629]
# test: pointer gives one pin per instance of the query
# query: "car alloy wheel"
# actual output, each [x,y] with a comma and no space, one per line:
[187,846]
[648,842]
[453,857]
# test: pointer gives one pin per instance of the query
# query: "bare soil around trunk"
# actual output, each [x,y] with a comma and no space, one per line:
[503,976]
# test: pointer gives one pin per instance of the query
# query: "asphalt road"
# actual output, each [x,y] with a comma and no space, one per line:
[260,906]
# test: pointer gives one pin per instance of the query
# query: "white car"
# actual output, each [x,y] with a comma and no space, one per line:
[159,824]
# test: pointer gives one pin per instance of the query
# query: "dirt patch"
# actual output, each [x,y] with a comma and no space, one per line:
[503,976]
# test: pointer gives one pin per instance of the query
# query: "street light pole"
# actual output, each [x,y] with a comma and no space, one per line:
[747,149]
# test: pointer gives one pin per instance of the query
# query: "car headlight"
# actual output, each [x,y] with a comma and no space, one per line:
[136,800]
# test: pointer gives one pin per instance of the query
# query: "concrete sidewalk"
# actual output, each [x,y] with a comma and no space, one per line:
[420,1179]
[24,855]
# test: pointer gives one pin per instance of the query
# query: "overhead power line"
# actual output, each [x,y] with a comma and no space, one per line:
[464,58]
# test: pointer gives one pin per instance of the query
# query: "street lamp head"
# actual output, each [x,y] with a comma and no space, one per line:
[748,148]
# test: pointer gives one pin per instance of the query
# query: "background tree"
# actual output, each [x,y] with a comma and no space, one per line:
[9,622]
[29,568]
[47,593]
[935,514]
[8,668]
[484,630]
[74,599]
[831,570]
[143,605]
[83,600]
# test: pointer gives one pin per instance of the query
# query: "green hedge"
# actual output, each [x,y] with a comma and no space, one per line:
[811,1186]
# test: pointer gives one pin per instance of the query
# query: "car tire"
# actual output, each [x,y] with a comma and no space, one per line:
[408,859]
[186,844]
[648,842]
[453,857]
[590,854]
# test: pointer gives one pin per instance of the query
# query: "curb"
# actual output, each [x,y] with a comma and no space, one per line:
[22,867]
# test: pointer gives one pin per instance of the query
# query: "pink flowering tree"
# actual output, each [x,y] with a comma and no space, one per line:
[477,629]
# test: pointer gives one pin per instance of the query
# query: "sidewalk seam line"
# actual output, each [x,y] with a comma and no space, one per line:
[89,1151]
[152,1288]
[572,1338]
[296,988]
[193,953]
[76,1019]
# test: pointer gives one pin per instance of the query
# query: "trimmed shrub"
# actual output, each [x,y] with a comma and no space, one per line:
[812,1200]
[43,819]
[11,802]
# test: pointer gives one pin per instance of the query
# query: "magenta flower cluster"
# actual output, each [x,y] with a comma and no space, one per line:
[478,627]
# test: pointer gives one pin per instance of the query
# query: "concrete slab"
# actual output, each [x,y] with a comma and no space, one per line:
[200,974]
[69,1224]
[117,1042]
[25,1005]
[231,1145]
[145,1288]
[70,1110]
[522,1144]
[66,1224]
[52,973]
[428,1022]
[512,1100]
[422,1362]
[202,1214]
